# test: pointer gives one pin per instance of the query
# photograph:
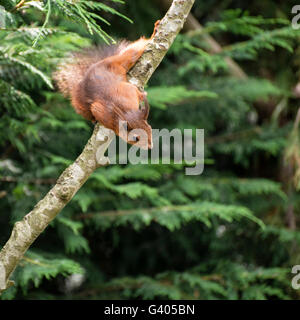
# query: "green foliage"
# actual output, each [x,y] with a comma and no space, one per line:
[150,231]
[172,217]
[239,283]
[159,97]
[36,266]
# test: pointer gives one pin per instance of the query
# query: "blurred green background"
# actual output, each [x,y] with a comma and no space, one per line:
[150,231]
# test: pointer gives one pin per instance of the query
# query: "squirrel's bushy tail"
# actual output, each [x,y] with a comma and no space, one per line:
[71,72]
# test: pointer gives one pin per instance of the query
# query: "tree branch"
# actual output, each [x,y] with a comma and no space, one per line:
[34,223]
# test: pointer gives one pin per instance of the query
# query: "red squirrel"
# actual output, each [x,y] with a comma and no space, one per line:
[96,82]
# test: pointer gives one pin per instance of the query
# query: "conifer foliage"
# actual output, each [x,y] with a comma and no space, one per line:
[148,231]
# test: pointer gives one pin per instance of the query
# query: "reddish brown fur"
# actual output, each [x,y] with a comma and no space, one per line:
[97,83]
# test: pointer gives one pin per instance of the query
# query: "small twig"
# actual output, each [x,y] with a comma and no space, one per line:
[18,5]
[278,109]
[48,6]
[34,181]
[115,213]
[297,120]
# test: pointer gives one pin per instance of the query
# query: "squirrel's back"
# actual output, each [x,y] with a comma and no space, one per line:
[71,71]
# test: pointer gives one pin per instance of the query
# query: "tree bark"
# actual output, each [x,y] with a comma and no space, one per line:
[34,223]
